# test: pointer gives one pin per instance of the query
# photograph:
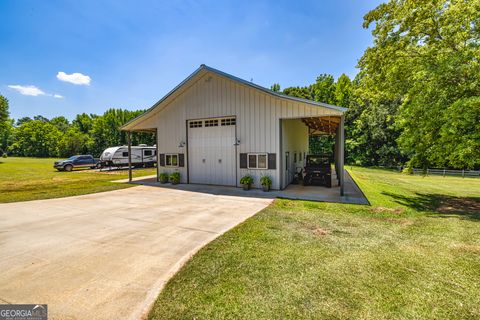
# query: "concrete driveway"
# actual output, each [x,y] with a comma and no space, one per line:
[107,255]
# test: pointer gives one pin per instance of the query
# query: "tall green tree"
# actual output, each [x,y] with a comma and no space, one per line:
[74,142]
[299,92]
[22,121]
[6,136]
[343,91]
[426,55]
[323,89]
[106,130]
[61,123]
[4,122]
[36,138]
[83,122]
[275,87]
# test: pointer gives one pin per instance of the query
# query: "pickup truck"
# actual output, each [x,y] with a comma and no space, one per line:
[80,161]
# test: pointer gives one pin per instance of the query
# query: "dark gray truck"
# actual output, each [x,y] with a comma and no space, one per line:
[75,162]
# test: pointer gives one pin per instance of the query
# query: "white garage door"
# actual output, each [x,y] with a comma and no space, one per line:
[211,151]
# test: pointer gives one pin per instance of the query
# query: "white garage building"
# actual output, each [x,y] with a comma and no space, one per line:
[215,128]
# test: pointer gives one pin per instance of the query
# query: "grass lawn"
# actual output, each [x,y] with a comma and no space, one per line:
[413,254]
[34,178]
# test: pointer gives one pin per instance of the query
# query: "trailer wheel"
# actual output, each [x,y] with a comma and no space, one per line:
[68,167]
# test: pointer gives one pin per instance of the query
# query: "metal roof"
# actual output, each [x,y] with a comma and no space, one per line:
[204,67]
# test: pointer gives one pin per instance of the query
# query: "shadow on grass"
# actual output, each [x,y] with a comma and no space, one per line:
[440,205]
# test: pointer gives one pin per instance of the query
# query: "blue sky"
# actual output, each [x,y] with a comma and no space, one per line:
[128,54]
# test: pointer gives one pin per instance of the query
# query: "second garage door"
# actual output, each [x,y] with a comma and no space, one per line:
[211,151]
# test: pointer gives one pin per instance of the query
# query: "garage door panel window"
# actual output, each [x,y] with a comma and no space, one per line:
[211,123]
[196,124]
[228,122]
[257,161]
[171,160]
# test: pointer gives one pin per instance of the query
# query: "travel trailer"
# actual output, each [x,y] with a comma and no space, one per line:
[142,156]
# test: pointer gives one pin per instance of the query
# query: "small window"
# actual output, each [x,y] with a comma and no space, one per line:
[171,160]
[228,122]
[257,161]
[125,154]
[211,123]
[147,152]
[262,161]
[252,161]
[196,124]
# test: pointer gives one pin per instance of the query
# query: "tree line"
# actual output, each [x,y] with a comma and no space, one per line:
[58,137]
[415,100]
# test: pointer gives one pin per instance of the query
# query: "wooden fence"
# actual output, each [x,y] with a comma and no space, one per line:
[448,172]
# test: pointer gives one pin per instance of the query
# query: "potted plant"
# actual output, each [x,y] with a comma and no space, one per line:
[246,182]
[164,177]
[175,177]
[266,183]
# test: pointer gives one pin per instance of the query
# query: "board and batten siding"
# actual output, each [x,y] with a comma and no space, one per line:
[257,115]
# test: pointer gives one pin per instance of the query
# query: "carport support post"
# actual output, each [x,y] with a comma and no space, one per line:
[335,154]
[341,154]
[129,140]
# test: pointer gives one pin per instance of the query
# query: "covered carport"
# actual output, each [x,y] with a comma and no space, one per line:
[295,134]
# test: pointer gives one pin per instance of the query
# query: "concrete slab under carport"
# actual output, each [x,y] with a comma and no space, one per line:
[352,193]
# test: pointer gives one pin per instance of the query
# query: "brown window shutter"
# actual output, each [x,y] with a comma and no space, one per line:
[243,160]
[272,161]
[162,159]
[181,160]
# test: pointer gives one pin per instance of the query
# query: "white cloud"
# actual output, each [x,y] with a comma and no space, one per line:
[75,78]
[33,91]
[27,90]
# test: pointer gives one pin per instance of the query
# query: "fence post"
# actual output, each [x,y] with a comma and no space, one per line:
[444,172]
[427,171]
[463,173]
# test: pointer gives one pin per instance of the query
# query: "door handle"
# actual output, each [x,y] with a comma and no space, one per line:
[219,160]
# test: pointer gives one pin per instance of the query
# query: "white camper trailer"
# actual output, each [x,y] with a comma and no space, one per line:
[142,156]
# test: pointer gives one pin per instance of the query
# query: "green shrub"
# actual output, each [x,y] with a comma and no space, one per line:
[266,181]
[4,155]
[164,177]
[408,170]
[175,177]
[248,179]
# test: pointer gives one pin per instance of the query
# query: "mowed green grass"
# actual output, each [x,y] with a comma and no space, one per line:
[34,178]
[413,254]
